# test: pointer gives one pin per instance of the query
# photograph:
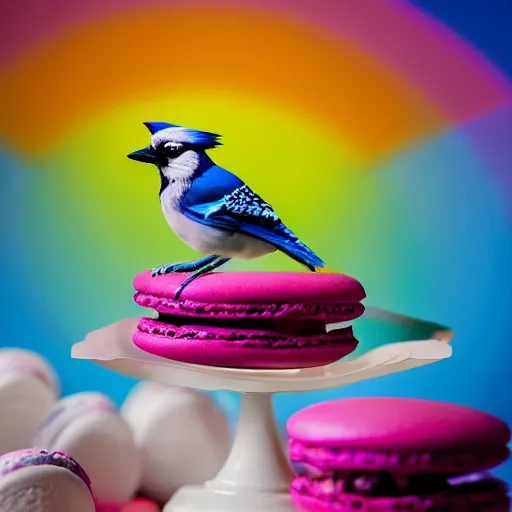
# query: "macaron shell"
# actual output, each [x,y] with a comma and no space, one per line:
[389,433]
[257,287]
[25,361]
[66,410]
[140,404]
[257,336]
[29,457]
[44,489]
[103,444]
[183,437]
[229,355]
[24,403]
[329,313]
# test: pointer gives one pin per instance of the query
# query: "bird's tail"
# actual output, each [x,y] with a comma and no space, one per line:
[302,254]
[289,244]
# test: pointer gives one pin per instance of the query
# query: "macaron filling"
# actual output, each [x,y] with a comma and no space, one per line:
[29,458]
[248,332]
[327,459]
[197,309]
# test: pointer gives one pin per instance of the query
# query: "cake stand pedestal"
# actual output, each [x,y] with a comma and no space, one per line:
[257,475]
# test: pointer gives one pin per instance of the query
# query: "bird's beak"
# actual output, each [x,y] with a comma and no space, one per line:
[146,155]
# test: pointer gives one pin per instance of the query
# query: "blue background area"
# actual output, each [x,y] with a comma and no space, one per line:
[470,273]
[486,24]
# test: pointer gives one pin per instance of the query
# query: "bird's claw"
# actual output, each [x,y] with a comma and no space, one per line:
[172,268]
[191,266]
[163,269]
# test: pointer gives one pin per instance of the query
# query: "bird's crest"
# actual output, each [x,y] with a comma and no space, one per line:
[175,133]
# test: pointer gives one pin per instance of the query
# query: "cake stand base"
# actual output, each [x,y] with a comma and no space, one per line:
[256,476]
[200,498]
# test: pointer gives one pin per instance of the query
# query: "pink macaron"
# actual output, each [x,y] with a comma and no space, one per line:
[43,481]
[260,320]
[141,505]
[135,505]
[387,454]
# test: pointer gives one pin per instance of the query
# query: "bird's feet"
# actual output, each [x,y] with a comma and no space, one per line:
[167,269]
[191,266]
[218,262]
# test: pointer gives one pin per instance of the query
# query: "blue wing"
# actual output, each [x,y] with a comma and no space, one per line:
[220,199]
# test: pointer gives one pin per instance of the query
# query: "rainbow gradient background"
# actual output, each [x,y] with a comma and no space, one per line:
[380,130]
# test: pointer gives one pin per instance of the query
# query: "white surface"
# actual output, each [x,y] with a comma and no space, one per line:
[256,476]
[44,489]
[24,403]
[102,443]
[183,437]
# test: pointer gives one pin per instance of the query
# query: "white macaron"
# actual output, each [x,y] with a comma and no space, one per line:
[42,481]
[183,437]
[88,427]
[28,391]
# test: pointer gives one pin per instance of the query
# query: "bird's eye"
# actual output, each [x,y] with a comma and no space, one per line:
[172,147]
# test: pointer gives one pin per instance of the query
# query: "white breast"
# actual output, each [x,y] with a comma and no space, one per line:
[208,240]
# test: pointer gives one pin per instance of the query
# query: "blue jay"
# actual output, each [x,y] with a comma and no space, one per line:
[211,209]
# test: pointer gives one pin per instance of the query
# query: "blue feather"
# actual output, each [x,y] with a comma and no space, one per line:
[212,185]
[187,135]
[286,241]
[197,137]
[221,200]
[154,127]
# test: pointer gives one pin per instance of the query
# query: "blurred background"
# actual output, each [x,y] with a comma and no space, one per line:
[380,131]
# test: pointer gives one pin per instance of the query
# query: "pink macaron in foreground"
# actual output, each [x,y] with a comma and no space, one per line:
[384,454]
[259,320]
[140,505]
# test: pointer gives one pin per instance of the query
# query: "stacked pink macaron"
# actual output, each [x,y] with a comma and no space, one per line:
[260,320]
[391,454]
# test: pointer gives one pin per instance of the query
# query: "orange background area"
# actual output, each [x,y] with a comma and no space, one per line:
[167,51]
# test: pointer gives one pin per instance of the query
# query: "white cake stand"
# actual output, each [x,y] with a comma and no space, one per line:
[256,476]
